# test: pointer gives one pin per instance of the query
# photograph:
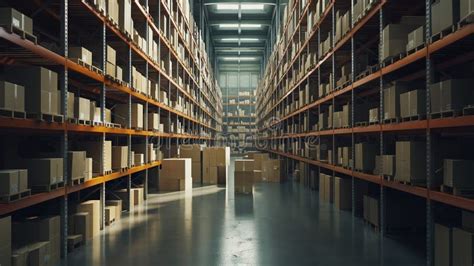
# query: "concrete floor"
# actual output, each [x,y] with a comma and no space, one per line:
[278,225]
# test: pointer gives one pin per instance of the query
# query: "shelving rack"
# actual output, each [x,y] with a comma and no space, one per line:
[295,65]
[60,24]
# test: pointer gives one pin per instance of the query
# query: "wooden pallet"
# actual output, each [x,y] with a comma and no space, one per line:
[12,114]
[445,114]
[415,49]
[468,110]
[78,181]
[392,59]
[47,188]
[461,192]
[83,122]
[15,197]
[108,172]
[373,122]
[83,64]
[466,20]
[137,128]
[414,117]
[110,222]
[391,120]
[74,242]
[112,125]
[97,123]
[24,35]
[443,33]
[47,117]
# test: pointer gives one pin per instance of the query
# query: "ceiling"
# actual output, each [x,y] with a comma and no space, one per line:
[239,31]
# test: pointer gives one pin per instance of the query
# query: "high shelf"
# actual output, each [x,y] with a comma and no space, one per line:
[188,100]
[321,72]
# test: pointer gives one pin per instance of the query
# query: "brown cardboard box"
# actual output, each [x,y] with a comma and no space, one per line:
[176,168]
[271,171]
[80,225]
[110,212]
[5,240]
[391,100]
[244,165]
[9,182]
[12,97]
[22,180]
[139,159]
[415,38]
[463,247]
[110,69]
[222,172]
[44,171]
[111,55]
[191,151]
[365,156]
[322,187]
[444,13]
[443,245]
[167,184]
[113,10]
[153,121]
[121,115]
[76,164]
[92,207]
[82,108]
[409,167]
[456,94]
[88,171]
[94,151]
[125,17]
[38,254]
[259,160]
[124,196]
[138,196]
[118,207]
[257,175]
[12,18]
[346,157]
[413,104]
[81,53]
[19,257]
[329,189]
[244,182]
[457,173]
[196,172]
[119,157]
[388,165]
[222,155]
[342,193]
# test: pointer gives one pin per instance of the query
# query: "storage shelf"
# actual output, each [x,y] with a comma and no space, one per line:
[6,208]
[459,202]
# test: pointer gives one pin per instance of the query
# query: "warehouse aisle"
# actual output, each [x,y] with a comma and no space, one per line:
[278,225]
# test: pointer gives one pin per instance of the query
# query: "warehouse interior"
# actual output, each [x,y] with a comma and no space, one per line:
[237,132]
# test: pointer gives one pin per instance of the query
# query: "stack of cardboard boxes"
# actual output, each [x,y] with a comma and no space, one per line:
[119,157]
[455,245]
[44,172]
[412,103]
[343,193]
[243,176]
[79,166]
[391,100]
[13,181]
[365,156]
[395,36]
[12,97]
[457,174]
[193,152]
[41,88]
[215,164]
[175,175]
[111,67]
[271,171]
[136,197]
[121,115]
[11,18]
[94,151]
[451,95]
[410,163]
[326,188]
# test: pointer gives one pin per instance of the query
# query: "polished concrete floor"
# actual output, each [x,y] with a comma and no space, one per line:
[278,225]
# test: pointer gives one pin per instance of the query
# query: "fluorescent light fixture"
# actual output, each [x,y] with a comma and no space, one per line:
[227,6]
[238,51]
[230,39]
[250,26]
[240,39]
[252,6]
[239,58]
[228,26]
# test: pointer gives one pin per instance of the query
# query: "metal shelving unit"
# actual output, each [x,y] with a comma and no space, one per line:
[274,95]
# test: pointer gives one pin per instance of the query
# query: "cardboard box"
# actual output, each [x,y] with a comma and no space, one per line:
[12,97]
[244,165]
[42,88]
[374,211]
[409,167]
[113,10]
[222,156]
[119,157]
[391,99]
[88,171]
[118,207]
[81,53]
[110,69]
[153,121]
[139,159]
[176,168]
[94,151]
[38,254]
[82,108]
[110,212]
[191,151]
[138,196]
[80,225]
[12,18]
[272,170]
[167,184]
[121,115]
[125,17]
[443,245]
[416,38]
[125,196]
[243,182]
[259,160]
[92,208]
[76,164]
[388,165]
[463,247]
[44,171]
[111,55]
[19,256]
[343,193]
[412,103]
[457,173]
[5,240]
[444,14]
[196,172]
[9,182]
[257,175]
[467,10]
[395,36]
[456,94]
[346,157]
[365,156]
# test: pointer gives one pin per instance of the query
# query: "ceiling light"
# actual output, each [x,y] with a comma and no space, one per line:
[252,6]
[239,58]
[240,39]
[230,39]
[251,26]
[227,26]
[227,6]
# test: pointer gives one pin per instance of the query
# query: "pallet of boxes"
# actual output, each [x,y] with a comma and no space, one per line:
[194,152]
[175,175]
[215,165]
[244,176]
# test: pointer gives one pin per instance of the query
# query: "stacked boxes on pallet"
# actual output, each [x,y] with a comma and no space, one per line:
[395,36]
[326,188]
[13,181]
[94,151]
[12,97]
[175,175]
[121,115]
[409,167]
[193,152]
[244,176]
[457,174]
[451,95]
[119,157]
[10,17]
[215,164]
